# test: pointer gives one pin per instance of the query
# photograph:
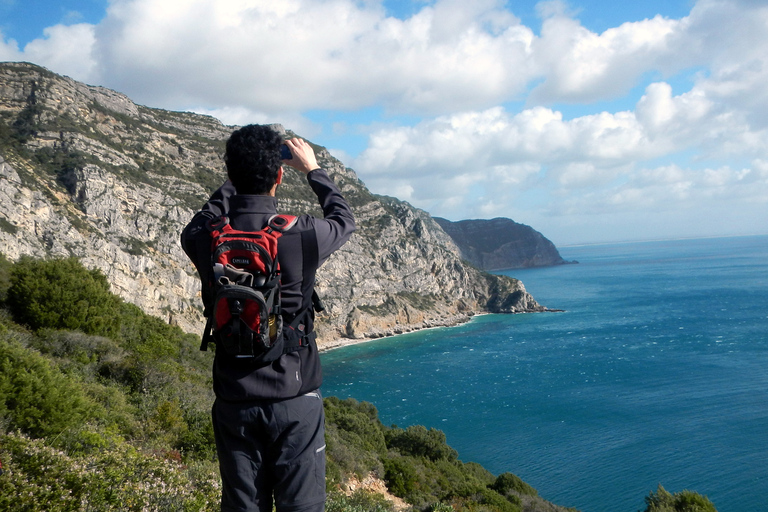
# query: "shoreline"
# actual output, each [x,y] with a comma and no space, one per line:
[457,320]
[348,342]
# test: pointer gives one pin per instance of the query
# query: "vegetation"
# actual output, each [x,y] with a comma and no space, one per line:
[105,408]
[61,294]
[685,501]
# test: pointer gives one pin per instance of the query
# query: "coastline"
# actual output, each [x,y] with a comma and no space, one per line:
[347,342]
[454,321]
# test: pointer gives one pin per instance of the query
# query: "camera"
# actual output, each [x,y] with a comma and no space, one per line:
[285,153]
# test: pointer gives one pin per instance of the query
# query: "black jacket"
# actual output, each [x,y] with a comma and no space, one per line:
[297,372]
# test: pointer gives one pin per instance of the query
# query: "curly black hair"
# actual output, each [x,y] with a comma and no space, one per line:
[253,158]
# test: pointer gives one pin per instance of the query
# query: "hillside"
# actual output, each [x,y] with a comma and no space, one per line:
[85,172]
[501,244]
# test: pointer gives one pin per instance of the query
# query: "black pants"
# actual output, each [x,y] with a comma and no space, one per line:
[271,448]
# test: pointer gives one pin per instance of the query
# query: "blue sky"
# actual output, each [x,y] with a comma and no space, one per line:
[589,120]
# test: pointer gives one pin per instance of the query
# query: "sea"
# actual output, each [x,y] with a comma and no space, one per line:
[656,372]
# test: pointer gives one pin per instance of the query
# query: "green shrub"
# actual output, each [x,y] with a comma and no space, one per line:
[5,277]
[498,502]
[358,419]
[62,294]
[359,501]
[416,440]
[36,397]
[355,440]
[507,483]
[400,476]
[150,338]
[77,351]
[685,501]
[197,440]
[38,477]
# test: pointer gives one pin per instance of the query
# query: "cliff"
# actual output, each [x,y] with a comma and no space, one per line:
[85,172]
[501,244]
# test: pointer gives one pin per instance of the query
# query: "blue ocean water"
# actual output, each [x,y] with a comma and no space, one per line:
[657,372]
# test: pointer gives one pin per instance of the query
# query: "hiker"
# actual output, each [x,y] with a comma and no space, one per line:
[268,413]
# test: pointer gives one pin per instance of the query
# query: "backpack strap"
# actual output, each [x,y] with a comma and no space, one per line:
[218,224]
[214,226]
[281,223]
[310,299]
[207,335]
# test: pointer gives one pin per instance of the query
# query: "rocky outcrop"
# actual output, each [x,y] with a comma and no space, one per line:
[501,244]
[85,172]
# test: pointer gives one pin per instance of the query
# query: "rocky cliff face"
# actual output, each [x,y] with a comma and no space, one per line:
[85,172]
[501,244]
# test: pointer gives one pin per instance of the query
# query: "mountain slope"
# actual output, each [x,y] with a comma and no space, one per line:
[85,172]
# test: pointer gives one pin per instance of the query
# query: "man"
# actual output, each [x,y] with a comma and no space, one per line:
[268,418]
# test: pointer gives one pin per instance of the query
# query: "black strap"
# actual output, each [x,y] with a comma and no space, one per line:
[310,261]
[207,336]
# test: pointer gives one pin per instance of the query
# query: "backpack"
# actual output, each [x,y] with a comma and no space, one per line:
[244,317]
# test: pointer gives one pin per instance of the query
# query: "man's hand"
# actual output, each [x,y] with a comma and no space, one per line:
[304,159]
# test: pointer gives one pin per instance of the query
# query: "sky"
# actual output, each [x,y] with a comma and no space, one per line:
[590,120]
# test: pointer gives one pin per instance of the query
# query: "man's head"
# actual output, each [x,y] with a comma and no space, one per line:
[253,159]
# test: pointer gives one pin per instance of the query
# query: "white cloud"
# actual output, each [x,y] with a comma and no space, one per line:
[9,49]
[581,66]
[494,137]
[67,48]
[298,54]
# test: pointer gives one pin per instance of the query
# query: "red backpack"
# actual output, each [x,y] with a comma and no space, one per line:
[244,318]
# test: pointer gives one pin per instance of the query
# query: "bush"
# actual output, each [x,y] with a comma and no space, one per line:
[685,501]
[507,483]
[62,294]
[38,477]
[36,397]
[355,439]
[197,440]
[359,501]
[416,440]
[359,420]
[5,276]
[498,502]
[400,476]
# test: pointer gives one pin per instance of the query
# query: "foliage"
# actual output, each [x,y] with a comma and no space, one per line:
[684,501]
[416,463]
[5,276]
[60,160]
[62,294]
[401,476]
[355,439]
[417,441]
[27,124]
[359,501]
[36,397]
[507,483]
[39,477]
